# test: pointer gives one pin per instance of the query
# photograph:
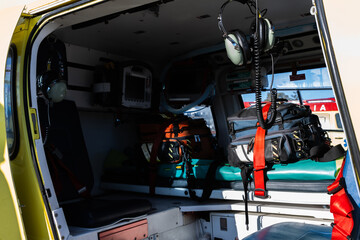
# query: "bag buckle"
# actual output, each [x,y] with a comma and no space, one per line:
[261,190]
[251,145]
[341,185]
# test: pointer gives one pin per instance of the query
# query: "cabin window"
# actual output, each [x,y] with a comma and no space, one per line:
[338,121]
[249,98]
[310,87]
[205,113]
[10,104]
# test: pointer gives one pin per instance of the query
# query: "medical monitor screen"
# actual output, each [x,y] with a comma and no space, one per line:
[137,89]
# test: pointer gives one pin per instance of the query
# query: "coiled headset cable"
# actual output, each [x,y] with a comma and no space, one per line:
[265,124]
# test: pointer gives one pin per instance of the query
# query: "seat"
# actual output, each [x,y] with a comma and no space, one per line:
[93,213]
[69,166]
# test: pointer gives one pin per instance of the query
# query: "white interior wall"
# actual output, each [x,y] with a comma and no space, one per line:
[97,123]
[82,77]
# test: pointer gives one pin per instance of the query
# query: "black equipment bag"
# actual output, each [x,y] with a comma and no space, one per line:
[296,135]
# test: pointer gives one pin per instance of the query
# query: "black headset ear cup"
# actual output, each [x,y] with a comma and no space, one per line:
[262,32]
[241,37]
[270,35]
[266,34]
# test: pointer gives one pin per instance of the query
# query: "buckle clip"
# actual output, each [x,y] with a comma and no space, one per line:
[261,190]
[341,185]
[260,169]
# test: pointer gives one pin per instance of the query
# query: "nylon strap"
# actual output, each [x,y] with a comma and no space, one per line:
[259,157]
[341,207]
[332,154]
[246,171]
[153,156]
[55,156]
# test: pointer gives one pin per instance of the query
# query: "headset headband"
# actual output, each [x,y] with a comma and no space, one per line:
[221,25]
[52,41]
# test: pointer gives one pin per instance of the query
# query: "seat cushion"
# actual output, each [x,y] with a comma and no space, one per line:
[292,231]
[91,213]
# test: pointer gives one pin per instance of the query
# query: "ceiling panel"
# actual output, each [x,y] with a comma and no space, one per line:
[176,27]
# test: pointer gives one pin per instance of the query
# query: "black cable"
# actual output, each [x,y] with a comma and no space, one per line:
[257,66]
[252,7]
[263,12]
[272,72]
[251,10]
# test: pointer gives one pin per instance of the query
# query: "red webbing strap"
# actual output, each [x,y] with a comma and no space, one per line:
[341,207]
[259,157]
[54,154]
[56,179]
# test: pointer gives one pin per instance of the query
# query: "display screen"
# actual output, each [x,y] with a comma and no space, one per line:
[134,88]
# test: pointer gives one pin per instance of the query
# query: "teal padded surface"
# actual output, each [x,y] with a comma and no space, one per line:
[228,173]
[200,168]
[306,170]
[302,170]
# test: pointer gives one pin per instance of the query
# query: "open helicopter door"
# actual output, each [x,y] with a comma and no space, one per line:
[10,221]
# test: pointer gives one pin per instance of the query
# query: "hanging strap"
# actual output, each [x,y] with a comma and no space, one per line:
[153,156]
[259,157]
[332,154]
[341,207]
[55,156]
[246,171]
[209,182]
[190,178]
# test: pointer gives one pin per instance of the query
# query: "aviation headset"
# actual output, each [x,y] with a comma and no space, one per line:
[52,83]
[236,45]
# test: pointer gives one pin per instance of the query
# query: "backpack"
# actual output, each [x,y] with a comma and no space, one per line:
[296,135]
[178,140]
[191,135]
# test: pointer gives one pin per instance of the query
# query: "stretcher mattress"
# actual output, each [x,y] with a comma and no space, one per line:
[306,170]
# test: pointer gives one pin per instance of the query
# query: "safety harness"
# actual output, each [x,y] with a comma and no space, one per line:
[259,157]
[258,166]
[341,207]
[340,204]
[55,157]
